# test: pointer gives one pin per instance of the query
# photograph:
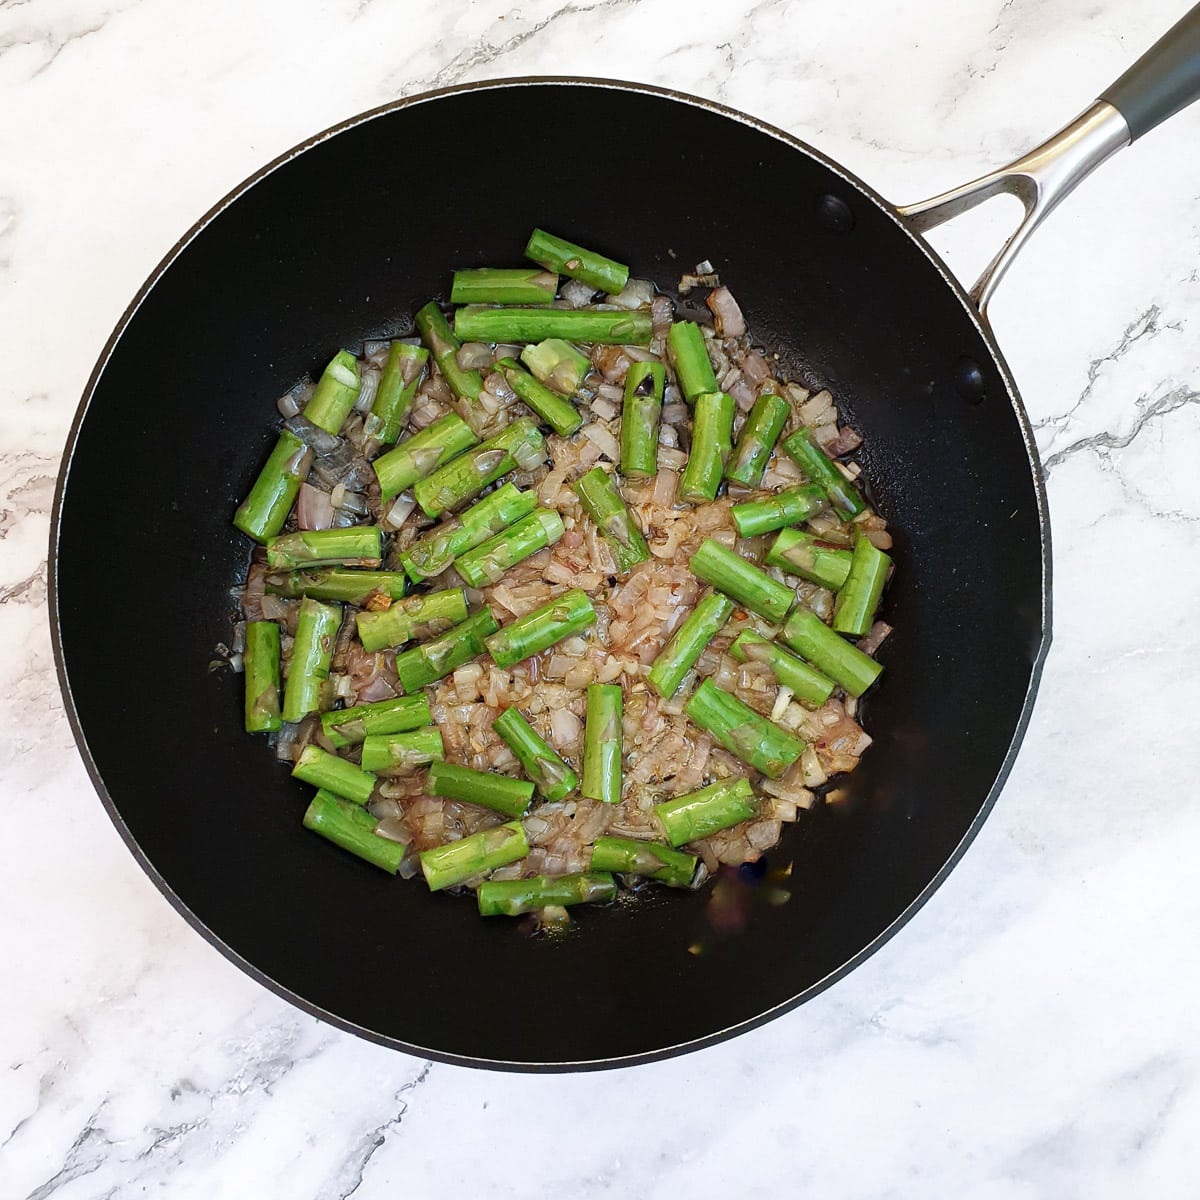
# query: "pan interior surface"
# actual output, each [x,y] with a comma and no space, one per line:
[344,241]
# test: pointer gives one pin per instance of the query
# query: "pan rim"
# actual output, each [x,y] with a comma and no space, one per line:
[282,991]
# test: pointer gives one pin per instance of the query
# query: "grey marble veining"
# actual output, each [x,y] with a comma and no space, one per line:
[1032,1032]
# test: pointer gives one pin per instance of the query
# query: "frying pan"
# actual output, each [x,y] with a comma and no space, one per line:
[328,246]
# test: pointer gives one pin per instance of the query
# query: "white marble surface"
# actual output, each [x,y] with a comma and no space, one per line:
[1032,1033]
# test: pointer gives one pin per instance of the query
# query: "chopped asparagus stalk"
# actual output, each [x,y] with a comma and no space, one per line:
[561,415]
[641,412]
[261,669]
[602,743]
[757,439]
[562,617]
[436,333]
[756,741]
[345,585]
[342,778]
[698,814]
[385,752]
[822,471]
[830,653]
[557,254]
[461,480]
[359,544]
[804,682]
[497,792]
[312,651]
[353,829]
[420,455]
[417,616]
[712,430]
[803,554]
[335,394]
[557,364]
[687,643]
[551,776]
[689,355]
[439,548]
[434,660]
[401,714]
[512,897]
[402,374]
[263,513]
[728,572]
[602,502]
[625,856]
[854,612]
[487,564]
[455,863]
[518,323]
[789,507]
[503,285]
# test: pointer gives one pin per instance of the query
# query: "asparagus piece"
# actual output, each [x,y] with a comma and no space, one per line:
[789,507]
[401,714]
[758,437]
[689,355]
[602,502]
[602,743]
[398,385]
[718,806]
[822,471]
[436,333]
[712,430]
[487,564]
[262,514]
[520,323]
[640,415]
[420,455]
[344,585]
[401,751]
[831,654]
[512,897]
[561,415]
[361,544]
[568,614]
[859,597]
[516,445]
[629,857]
[804,554]
[261,668]
[687,643]
[557,254]
[353,829]
[803,681]
[551,776]
[342,778]
[557,364]
[756,741]
[433,612]
[335,394]
[456,862]
[431,661]
[497,792]
[502,285]
[730,573]
[439,548]
[312,651]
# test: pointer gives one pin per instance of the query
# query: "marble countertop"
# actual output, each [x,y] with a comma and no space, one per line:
[1032,1032]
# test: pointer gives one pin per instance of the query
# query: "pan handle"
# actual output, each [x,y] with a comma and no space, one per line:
[1165,79]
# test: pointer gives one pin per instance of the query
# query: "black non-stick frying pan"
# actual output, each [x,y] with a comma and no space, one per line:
[326,247]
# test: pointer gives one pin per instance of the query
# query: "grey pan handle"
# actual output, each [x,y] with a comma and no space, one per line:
[1165,79]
